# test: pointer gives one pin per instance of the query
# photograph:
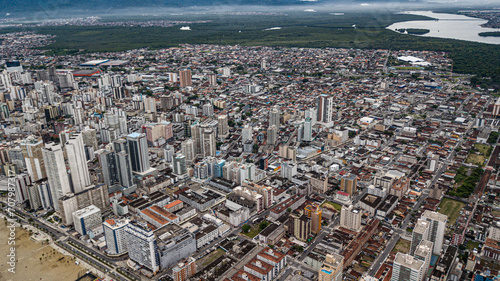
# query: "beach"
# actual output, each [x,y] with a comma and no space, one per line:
[35,261]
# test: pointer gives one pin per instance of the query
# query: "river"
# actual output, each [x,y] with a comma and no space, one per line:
[449,26]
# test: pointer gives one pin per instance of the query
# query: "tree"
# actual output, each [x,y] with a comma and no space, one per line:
[263,224]
[245,228]
[255,148]
[289,210]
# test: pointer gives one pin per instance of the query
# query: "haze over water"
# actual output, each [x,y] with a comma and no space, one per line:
[450,26]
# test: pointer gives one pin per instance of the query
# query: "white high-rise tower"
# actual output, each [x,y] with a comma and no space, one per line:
[78,163]
[56,172]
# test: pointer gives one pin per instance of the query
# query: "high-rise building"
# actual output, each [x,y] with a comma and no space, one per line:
[184,269]
[86,219]
[196,136]
[315,214]
[201,170]
[226,71]
[57,175]
[332,268]
[496,108]
[208,109]
[114,234]
[420,233]
[218,168]
[288,170]
[350,218]
[348,183]
[423,252]
[90,138]
[209,143]
[173,77]
[311,113]
[222,126]
[187,148]
[149,104]
[33,157]
[44,195]
[34,197]
[70,203]
[109,168]
[138,150]
[325,109]
[437,228]
[168,153]
[246,133]
[179,165]
[247,172]
[142,245]
[407,268]
[21,184]
[307,130]
[185,78]
[272,135]
[212,79]
[80,175]
[274,117]
[299,225]
[124,169]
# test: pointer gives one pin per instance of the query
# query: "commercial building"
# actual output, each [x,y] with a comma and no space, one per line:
[114,234]
[174,244]
[138,150]
[142,245]
[86,219]
[271,234]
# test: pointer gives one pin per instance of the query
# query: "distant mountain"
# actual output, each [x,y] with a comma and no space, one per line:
[54,7]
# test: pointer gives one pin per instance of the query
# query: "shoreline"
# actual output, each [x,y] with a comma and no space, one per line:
[36,260]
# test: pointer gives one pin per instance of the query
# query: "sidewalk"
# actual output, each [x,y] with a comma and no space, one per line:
[81,262]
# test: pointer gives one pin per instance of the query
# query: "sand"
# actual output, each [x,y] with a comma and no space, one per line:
[53,266]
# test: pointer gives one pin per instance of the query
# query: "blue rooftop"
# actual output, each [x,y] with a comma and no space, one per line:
[134,135]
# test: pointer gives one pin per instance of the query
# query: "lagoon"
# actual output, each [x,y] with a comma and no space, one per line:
[449,26]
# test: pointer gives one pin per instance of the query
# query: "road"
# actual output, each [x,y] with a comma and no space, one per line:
[402,230]
[62,240]
[383,256]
